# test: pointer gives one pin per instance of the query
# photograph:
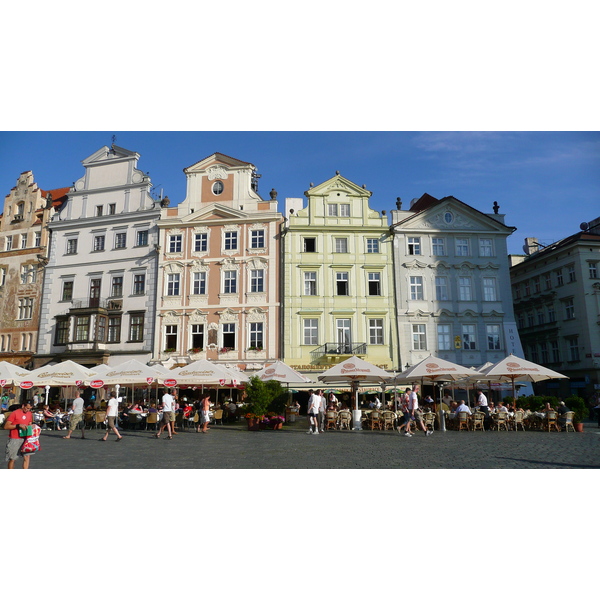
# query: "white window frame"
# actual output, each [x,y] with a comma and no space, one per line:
[199,283]
[419,336]
[486,247]
[310,332]
[340,245]
[175,243]
[257,281]
[413,246]
[465,289]
[438,246]
[376,332]
[493,334]
[201,242]
[416,287]
[173,284]
[469,336]
[257,239]
[462,247]
[310,283]
[442,291]
[373,246]
[444,336]
[230,281]
[490,289]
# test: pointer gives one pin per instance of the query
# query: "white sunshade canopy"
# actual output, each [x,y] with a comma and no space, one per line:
[434,369]
[64,373]
[355,369]
[12,374]
[281,372]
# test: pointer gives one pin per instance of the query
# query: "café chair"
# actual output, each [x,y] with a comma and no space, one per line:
[429,420]
[518,419]
[152,419]
[132,421]
[99,418]
[330,420]
[477,421]
[388,419]
[550,421]
[88,419]
[218,416]
[500,421]
[463,420]
[345,419]
[374,420]
[566,421]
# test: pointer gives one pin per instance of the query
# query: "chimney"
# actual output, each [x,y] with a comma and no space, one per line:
[531,246]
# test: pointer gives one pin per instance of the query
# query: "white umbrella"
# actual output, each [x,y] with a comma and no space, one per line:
[130,373]
[11,374]
[512,368]
[355,371]
[205,372]
[281,372]
[63,373]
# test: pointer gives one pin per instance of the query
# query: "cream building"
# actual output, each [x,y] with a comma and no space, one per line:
[100,283]
[556,294]
[452,282]
[338,280]
[218,291]
[23,255]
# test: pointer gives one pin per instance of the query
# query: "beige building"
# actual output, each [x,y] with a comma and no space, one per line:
[218,289]
[556,294]
[23,255]
[339,280]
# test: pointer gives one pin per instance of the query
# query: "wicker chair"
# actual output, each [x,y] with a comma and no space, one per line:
[518,419]
[478,420]
[345,419]
[500,421]
[463,420]
[330,419]
[429,420]
[99,418]
[152,419]
[374,420]
[550,421]
[388,418]
[218,416]
[566,421]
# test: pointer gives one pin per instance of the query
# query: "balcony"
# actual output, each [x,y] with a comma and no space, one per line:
[335,352]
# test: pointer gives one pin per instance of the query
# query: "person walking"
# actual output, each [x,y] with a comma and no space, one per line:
[321,417]
[314,404]
[112,412]
[404,408]
[168,403]
[76,417]
[205,412]
[415,413]
[18,419]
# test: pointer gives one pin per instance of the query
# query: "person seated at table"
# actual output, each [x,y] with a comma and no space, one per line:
[462,407]
[344,406]
[136,408]
[332,399]
[103,404]
[50,414]
[332,406]
[491,408]
[187,410]
[562,408]
[453,405]
[231,412]
[501,407]
[152,408]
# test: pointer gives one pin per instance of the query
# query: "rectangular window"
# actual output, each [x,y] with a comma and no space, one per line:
[197,337]
[341,284]
[533,353]
[441,289]
[171,335]
[2,276]
[141,238]
[229,340]
[82,328]
[67,291]
[25,308]
[310,283]
[375,331]
[374,283]
[99,210]
[551,313]
[61,336]
[485,247]
[537,288]
[257,280]
[416,288]
[559,278]
[175,243]
[548,280]
[444,337]
[9,242]
[520,321]
[230,282]
[571,273]
[344,210]
[465,291]
[544,352]
[231,240]
[462,247]
[372,246]
[332,210]
[37,240]
[120,240]
[257,239]
[414,245]
[99,243]
[112,209]
[173,282]
[310,244]
[489,289]
[136,328]
[139,284]
[256,336]
[117,286]
[573,349]
[114,329]
[438,246]
[28,274]
[24,241]
[569,308]
[555,351]
[201,242]
[101,329]
[199,283]
[469,337]
[72,246]
[530,320]
[311,332]
[527,287]
[493,337]
[341,245]
[540,317]
[418,337]
[593,270]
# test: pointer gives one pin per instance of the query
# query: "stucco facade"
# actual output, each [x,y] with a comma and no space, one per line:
[556,292]
[23,254]
[218,294]
[100,286]
[452,283]
[338,279]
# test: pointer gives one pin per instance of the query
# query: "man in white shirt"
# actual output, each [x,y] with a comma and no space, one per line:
[321,418]
[76,417]
[314,404]
[168,403]
[415,413]
[462,407]
[112,411]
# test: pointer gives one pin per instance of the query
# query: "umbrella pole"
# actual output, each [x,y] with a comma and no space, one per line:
[441,412]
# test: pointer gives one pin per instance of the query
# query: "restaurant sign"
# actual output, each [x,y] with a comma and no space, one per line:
[25,385]
[170,382]
[96,383]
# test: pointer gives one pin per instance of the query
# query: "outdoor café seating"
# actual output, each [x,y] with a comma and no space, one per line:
[331,420]
[477,421]
[517,420]
[374,420]
[463,421]
[429,420]
[152,419]
[566,421]
[345,419]
[388,419]
[500,421]
[550,421]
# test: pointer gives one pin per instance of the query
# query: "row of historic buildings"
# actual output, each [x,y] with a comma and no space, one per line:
[101,271]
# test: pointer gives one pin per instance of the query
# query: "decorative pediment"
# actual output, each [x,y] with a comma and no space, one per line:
[493,314]
[257,263]
[417,313]
[216,161]
[174,267]
[468,313]
[444,312]
[415,264]
[440,264]
[488,265]
[212,212]
[337,184]
[256,315]
[198,316]
[228,315]
[197,266]
[229,263]
[465,265]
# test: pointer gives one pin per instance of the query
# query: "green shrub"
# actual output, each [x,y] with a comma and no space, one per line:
[577,405]
[264,396]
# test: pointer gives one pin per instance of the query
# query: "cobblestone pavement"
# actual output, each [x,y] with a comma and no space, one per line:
[233,447]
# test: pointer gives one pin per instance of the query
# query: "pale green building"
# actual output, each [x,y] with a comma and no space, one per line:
[338,286]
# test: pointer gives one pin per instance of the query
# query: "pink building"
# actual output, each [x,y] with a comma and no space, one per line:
[218,287]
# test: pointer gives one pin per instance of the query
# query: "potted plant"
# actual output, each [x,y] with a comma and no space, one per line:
[170,350]
[224,349]
[195,350]
[577,405]
[262,396]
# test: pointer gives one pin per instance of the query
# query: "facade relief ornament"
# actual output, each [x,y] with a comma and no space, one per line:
[228,316]
[174,267]
[256,315]
[438,222]
[216,173]
[198,317]
[415,264]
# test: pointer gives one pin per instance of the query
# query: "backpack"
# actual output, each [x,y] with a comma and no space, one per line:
[32,442]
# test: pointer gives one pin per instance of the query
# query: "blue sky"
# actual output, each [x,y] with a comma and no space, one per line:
[546,183]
